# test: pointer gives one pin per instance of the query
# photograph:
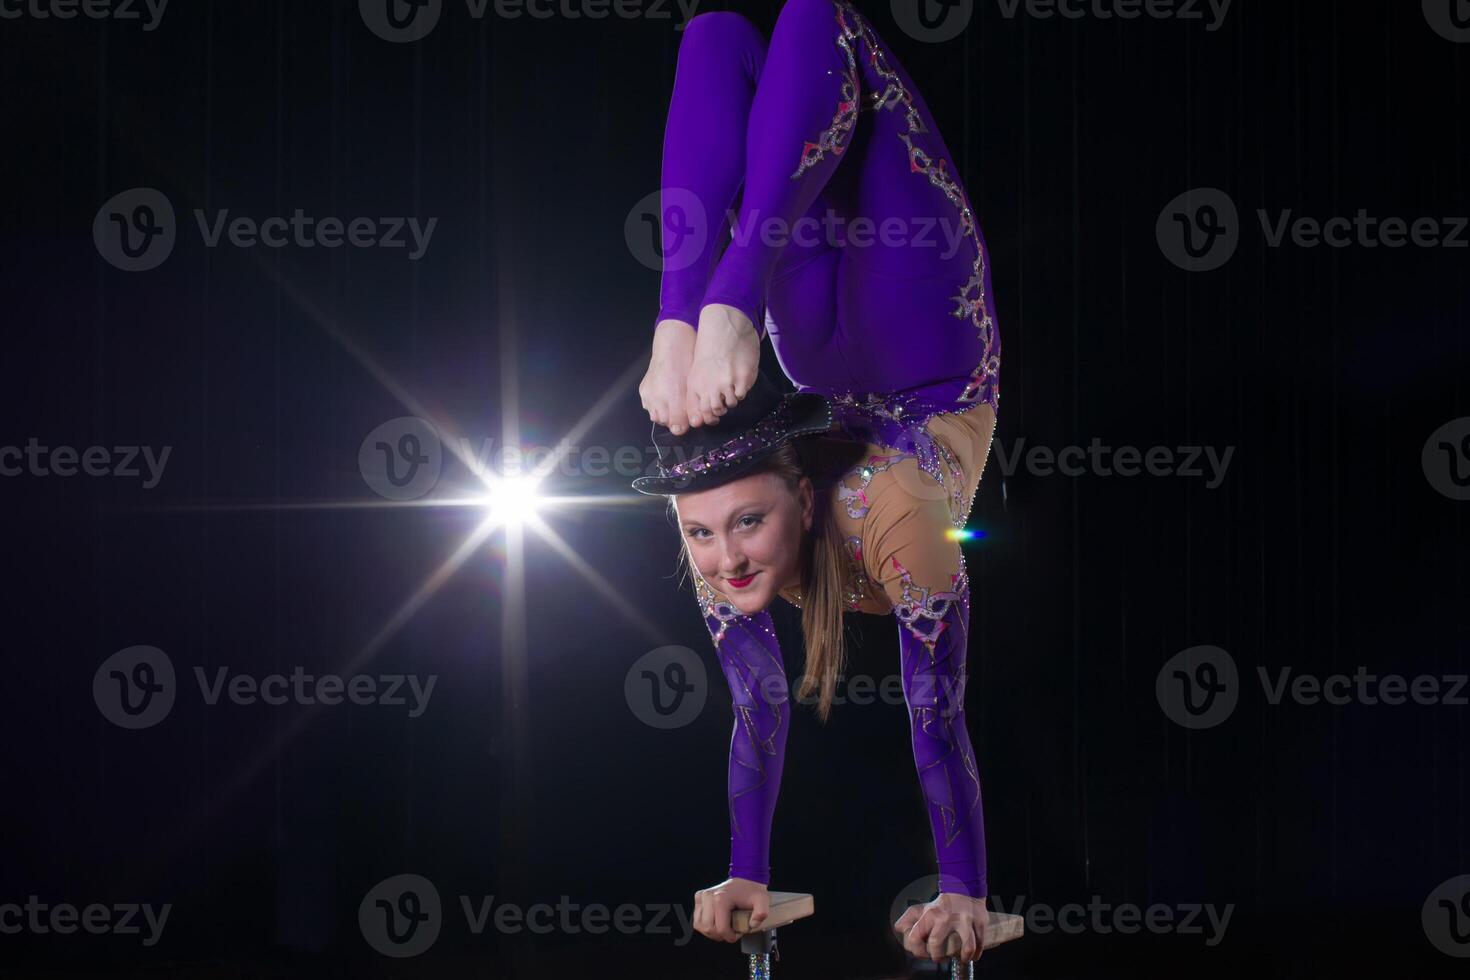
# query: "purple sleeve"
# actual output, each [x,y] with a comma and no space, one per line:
[933,655]
[750,659]
[932,607]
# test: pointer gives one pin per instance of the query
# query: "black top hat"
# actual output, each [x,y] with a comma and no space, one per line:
[707,456]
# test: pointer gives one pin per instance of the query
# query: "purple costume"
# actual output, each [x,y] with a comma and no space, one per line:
[816,132]
[853,231]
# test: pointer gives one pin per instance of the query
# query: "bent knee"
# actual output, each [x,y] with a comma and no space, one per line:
[808,12]
[722,27]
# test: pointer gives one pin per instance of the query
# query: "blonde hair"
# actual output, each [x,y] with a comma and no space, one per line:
[824,566]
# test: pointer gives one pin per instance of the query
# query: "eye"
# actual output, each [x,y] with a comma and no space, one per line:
[753,518]
[696,532]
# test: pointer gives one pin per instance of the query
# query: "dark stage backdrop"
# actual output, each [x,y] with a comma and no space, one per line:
[1219,647]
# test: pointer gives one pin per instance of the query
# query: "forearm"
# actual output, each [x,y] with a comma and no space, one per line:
[751,661]
[933,632]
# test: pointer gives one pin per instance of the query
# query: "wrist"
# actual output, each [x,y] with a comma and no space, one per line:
[956,884]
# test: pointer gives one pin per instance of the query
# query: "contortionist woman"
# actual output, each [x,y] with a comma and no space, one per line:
[854,247]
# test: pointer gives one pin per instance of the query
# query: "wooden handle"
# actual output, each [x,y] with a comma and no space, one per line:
[786,908]
[1002,928]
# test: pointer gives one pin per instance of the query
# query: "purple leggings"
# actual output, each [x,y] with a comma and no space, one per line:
[853,231]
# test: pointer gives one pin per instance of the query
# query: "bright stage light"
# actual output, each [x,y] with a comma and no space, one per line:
[513,500]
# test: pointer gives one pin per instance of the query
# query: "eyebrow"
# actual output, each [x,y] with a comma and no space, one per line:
[736,513]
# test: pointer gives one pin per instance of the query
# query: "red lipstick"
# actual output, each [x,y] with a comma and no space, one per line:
[740,583]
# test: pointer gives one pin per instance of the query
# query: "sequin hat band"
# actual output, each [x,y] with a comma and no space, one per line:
[709,455]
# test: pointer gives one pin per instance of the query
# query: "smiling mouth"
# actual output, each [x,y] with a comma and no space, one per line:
[740,583]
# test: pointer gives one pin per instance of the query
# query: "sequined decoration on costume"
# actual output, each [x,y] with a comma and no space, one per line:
[898,421]
[959,507]
[921,610]
[984,383]
[855,499]
[718,612]
[847,108]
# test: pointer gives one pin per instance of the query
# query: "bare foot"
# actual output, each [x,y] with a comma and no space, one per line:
[662,387]
[727,355]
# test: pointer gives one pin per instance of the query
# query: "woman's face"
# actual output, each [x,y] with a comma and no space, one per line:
[745,536]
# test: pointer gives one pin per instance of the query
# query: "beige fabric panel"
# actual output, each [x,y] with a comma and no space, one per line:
[907,548]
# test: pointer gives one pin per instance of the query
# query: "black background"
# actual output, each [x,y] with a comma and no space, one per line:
[1325,547]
